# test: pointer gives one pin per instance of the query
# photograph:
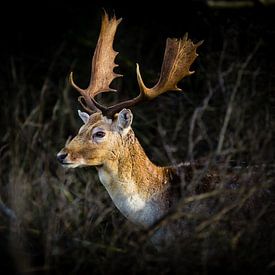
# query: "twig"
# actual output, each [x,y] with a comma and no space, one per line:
[232,97]
[196,115]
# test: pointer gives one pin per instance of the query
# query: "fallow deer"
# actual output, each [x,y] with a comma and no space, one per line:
[141,190]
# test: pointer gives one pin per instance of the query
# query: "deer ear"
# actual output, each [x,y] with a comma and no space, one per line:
[124,120]
[84,116]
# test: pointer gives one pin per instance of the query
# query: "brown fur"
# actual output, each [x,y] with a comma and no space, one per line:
[142,191]
[124,155]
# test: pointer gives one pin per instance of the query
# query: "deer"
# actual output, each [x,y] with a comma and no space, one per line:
[142,191]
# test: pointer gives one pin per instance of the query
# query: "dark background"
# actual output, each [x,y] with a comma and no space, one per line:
[32,34]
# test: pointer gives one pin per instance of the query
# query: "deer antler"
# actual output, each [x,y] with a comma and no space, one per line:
[178,57]
[102,73]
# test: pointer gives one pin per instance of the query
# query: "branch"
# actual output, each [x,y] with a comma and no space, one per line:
[6,211]
[232,97]
[216,4]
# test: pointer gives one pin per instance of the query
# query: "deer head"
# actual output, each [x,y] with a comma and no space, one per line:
[107,130]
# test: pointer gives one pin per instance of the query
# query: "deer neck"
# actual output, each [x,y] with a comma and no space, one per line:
[138,187]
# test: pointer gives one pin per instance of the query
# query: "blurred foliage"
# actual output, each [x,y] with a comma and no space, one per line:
[63,221]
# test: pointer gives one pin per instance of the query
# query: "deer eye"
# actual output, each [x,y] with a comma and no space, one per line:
[99,134]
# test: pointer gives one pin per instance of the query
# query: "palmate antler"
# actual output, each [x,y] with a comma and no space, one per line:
[178,57]
[102,71]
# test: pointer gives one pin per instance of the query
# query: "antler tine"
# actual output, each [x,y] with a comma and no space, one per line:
[90,106]
[178,58]
[102,73]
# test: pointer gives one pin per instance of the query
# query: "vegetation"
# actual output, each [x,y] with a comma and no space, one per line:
[56,221]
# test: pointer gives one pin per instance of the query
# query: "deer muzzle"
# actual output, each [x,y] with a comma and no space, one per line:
[61,157]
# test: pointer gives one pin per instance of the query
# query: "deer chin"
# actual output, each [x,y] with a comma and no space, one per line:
[72,165]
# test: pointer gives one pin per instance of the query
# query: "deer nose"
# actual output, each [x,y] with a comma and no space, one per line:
[61,157]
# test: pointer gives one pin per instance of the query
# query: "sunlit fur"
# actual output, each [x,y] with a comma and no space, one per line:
[140,190]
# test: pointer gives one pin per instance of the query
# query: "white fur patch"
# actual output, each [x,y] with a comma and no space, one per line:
[128,201]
